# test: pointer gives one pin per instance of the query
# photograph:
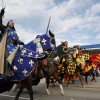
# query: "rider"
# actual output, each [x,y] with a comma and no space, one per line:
[39,50]
[11,41]
[78,51]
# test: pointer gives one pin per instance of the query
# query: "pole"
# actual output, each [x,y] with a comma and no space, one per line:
[2,4]
[48,24]
[3,7]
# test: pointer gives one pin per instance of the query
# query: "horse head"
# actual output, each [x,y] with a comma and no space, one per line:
[64,46]
[45,42]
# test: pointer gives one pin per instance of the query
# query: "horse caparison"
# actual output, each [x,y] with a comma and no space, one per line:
[29,80]
[79,73]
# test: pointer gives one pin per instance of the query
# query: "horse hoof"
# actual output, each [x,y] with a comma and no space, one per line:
[86,82]
[62,92]
[83,86]
[53,84]
[71,99]
[48,93]
[89,82]
[68,86]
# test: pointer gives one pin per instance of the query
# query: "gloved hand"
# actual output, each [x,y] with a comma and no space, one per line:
[3,11]
[22,43]
[19,42]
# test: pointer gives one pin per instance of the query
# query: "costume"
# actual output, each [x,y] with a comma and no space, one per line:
[39,50]
[11,44]
[78,52]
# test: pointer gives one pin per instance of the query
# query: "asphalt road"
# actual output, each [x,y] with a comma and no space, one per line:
[75,92]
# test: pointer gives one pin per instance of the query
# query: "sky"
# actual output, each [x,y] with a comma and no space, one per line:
[75,21]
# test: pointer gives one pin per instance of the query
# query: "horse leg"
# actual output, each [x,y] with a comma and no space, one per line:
[19,92]
[73,81]
[62,76]
[53,84]
[86,79]
[69,78]
[16,87]
[93,77]
[80,78]
[47,90]
[28,82]
[56,76]
[86,76]
[30,91]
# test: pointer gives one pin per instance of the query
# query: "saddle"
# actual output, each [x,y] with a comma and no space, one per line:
[39,72]
[44,68]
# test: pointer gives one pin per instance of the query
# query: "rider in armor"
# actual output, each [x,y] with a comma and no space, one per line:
[12,40]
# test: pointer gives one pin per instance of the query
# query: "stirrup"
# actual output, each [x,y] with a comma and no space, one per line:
[39,76]
[8,74]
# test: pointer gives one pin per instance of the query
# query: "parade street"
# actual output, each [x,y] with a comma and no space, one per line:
[74,92]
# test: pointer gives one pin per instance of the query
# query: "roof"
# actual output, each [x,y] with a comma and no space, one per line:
[93,49]
[90,46]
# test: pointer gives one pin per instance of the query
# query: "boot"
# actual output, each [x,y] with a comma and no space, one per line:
[8,73]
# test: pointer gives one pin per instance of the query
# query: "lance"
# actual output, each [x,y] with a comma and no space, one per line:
[2,4]
[48,24]
[3,7]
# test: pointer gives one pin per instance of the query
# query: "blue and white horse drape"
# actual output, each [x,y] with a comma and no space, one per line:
[25,58]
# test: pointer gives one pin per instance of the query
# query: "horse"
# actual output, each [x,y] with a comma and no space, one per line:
[88,69]
[72,71]
[64,52]
[61,50]
[25,62]
[55,75]
[89,73]
[63,70]
[50,63]
[83,65]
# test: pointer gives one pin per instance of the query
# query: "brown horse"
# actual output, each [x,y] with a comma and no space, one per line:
[56,77]
[48,43]
[80,68]
[64,52]
[72,71]
[51,65]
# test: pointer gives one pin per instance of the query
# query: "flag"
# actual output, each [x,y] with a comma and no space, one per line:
[95,59]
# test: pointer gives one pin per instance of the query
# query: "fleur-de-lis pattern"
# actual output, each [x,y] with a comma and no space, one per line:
[25,59]
[22,67]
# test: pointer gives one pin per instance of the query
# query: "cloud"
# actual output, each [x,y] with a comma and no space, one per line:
[26,35]
[98,37]
[76,21]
